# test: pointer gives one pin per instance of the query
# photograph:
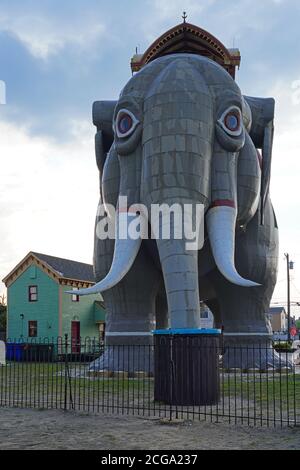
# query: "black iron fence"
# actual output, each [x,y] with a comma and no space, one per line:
[198,382]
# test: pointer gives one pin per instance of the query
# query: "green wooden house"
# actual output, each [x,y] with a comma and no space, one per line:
[39,307]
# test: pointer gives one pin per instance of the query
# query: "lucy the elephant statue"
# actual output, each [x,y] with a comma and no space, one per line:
[183,133]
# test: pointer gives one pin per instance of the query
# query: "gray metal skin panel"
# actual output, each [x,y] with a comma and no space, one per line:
[179,157]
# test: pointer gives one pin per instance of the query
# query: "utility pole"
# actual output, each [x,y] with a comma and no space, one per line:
[289,265]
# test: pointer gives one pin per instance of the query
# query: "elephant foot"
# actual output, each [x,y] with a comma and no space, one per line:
[125,358]
[253,352]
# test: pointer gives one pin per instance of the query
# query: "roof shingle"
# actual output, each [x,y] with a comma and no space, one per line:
[68,268]
[276,310]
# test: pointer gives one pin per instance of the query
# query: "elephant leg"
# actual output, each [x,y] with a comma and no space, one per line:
[247,333]
[246,328]
[214,306]
[130,319]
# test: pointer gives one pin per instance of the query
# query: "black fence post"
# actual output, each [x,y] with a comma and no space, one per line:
[66,370]
[67,377]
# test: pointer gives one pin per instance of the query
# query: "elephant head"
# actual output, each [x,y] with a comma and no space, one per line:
[183,133]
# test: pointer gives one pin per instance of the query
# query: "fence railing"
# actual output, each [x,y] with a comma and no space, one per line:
[86,375]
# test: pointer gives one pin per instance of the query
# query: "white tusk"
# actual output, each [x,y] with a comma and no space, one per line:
[125,252]
[221,221]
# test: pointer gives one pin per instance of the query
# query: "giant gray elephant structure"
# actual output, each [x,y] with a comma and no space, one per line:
[184,133]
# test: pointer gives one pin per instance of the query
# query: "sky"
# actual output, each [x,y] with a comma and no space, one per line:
[58,56]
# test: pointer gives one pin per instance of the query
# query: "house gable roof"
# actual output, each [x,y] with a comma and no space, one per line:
[62,270]
[274,310]
[68,268]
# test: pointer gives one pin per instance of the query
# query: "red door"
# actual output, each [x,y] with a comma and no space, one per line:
[75,335]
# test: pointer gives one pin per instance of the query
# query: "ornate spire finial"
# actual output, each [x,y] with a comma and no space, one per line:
[184,16]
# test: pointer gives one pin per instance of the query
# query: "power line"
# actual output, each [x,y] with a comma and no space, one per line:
[284,302]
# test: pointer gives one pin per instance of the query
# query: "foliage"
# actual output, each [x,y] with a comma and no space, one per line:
[283,345]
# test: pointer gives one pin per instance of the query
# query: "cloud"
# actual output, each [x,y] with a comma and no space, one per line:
[48,195]
[46,32]
[169,13]
[46,95]
[227,20]
[56,59]
[169,10]
[285,181]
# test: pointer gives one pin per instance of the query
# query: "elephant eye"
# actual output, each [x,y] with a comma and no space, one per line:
[126,122]
[231,121]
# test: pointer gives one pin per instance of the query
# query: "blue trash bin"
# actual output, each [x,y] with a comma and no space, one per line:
[14,351]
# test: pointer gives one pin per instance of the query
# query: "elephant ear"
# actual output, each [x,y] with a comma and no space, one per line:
[103,112]
[261,133]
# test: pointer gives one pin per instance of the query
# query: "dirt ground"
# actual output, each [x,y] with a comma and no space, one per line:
[55,429]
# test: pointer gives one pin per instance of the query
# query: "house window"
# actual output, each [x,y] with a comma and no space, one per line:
[32,328]
[75,297]
[32,293]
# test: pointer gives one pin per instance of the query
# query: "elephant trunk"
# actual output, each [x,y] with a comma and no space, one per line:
[180,271]
[179,265]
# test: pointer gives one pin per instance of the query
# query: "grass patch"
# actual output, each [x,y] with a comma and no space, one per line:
[52,385]
[263,387]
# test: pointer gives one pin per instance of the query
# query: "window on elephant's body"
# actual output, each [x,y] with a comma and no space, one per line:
[32,329]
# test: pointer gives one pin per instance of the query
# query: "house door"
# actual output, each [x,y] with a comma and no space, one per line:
[75,336]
